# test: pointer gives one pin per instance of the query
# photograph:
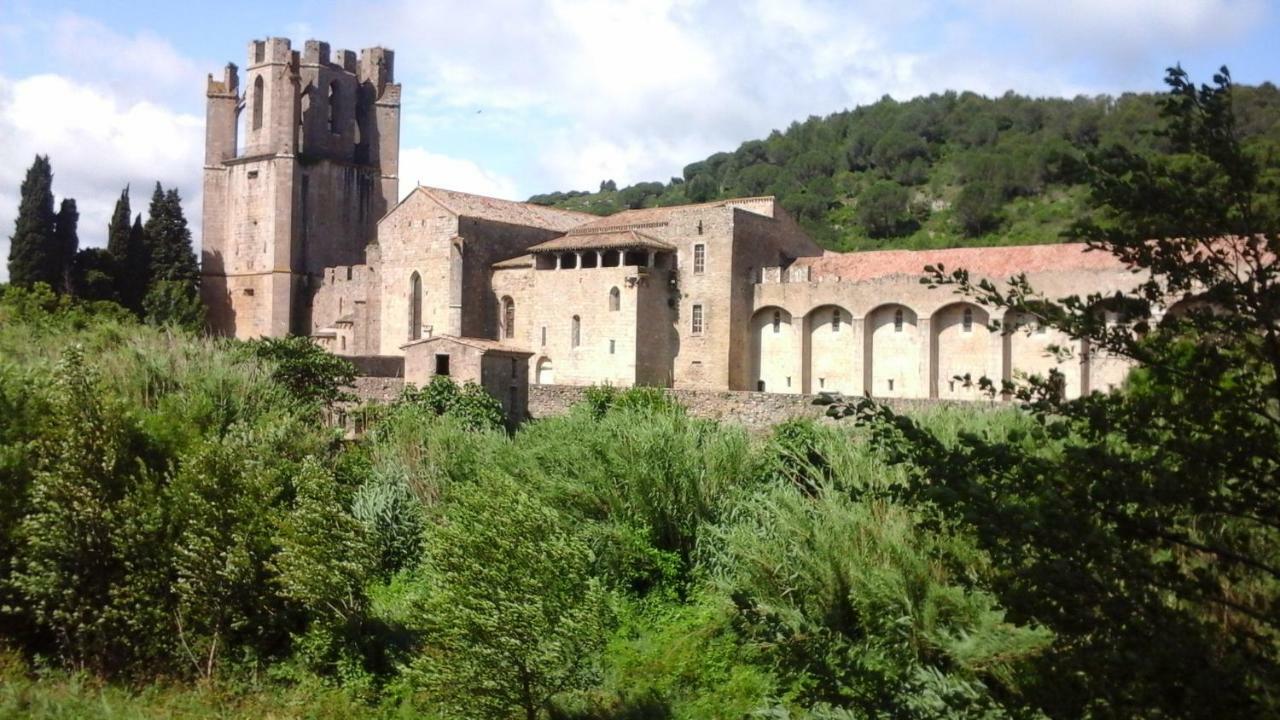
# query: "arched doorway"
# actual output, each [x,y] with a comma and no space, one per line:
[545,373]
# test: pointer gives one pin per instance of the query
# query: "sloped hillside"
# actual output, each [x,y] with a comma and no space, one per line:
[946,170]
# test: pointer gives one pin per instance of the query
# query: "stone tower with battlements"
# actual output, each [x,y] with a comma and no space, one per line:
[300,164]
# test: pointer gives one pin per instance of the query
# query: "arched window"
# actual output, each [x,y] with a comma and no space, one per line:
[415,306]
[508,318]
[835,320]
[334,124]
[615,299]
[777,321]
[967,322]
[257,103]
[576,338]
[897,320]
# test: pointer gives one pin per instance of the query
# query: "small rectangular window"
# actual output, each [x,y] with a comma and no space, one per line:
[696,320]
[611,347]
[442,364]
[699,258]
[544,334]
[253,174]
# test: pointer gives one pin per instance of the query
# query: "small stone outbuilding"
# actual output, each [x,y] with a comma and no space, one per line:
[502,370]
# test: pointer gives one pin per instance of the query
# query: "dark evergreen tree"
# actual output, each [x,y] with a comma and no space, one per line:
[169,239]
[66,243]
[120,251]
[172,295]
[32,250]
[93,275]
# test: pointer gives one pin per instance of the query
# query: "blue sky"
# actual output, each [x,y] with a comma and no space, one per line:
[513,98]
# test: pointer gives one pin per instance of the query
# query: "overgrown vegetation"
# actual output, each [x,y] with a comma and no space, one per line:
[182,534]
[951,169]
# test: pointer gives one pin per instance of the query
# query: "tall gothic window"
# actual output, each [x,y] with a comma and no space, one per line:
[615,299]
[415,306]
[258,100]
[508,318]
[967,321]
[576,338]
[334,123]
[777,321]
[835,320]
[897,320]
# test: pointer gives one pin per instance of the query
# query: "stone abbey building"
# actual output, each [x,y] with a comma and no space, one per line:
[303,234]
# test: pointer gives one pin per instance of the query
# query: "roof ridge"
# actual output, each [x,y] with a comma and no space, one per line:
[431,191]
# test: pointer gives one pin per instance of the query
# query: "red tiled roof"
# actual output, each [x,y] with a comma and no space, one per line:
[603,241]
[506,211]
[994,262]
[660,215]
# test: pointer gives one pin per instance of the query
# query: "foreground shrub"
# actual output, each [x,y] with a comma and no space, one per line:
[859,610]
[512,615]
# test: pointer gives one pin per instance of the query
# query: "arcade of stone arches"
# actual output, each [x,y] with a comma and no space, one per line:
[895,352]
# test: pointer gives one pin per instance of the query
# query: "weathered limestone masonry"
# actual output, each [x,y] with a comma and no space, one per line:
[302,188]
[752,410]
[303,234]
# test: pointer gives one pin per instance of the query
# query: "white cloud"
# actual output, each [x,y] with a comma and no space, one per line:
[96,144]
[1130,30]
[420,167]
[632,89]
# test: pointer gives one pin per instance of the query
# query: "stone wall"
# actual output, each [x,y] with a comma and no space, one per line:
[755,410]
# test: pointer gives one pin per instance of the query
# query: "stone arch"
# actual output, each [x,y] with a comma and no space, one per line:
[1026,352]
[1101,371]
[892,352]
[775,352]
[963,344]
[415,306]
[544,373]
[508,317]
[831,357]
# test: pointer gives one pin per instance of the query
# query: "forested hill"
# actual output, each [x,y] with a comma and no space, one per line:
[939,171]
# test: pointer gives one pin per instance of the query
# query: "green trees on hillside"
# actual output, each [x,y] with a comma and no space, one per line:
[980,170]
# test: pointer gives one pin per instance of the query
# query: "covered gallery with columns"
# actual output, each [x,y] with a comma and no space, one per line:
[864,323]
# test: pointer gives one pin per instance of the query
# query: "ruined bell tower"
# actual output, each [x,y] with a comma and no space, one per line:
[300,164]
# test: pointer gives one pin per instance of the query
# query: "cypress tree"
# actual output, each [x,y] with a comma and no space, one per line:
[172,296]
[118,242]
[169,239]
[135,275]
[67,243]
[32,253]
[126,246]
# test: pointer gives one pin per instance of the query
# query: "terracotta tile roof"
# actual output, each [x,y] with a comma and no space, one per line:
[481,344]
[662,215]
[506,211]
[516,262]
[603,241]
[994,262]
